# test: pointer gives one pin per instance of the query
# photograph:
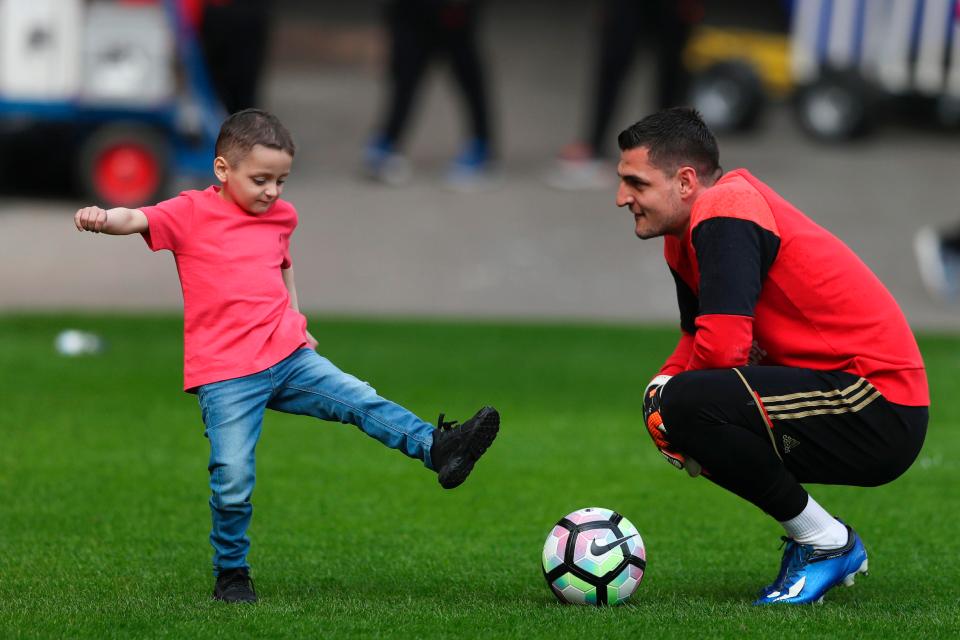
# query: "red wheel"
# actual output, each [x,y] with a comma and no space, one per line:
[127,173]
[124,165]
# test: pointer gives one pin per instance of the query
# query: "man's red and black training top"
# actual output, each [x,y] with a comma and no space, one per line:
[758,282]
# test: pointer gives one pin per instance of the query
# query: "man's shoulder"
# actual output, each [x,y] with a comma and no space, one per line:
[732,191]
[734,196]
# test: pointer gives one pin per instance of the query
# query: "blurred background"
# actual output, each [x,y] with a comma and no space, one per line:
[457,158]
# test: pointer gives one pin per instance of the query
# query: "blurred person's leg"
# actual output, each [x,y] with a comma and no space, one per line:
[458,24]
[234,35]
[675,21]
[580,164]
[619,30]
[412,43]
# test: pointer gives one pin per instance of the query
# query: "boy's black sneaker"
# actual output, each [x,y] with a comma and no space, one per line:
[456,449]
[234,585]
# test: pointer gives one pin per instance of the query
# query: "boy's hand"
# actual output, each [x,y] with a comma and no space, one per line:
[116,222]
[90,219]
[313,342]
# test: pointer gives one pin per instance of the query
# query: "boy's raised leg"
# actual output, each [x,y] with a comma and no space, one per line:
[309,384]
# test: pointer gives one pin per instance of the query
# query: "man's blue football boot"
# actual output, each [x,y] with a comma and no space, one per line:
[807,574]
[790,551]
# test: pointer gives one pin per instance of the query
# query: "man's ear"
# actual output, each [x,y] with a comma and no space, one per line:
[221,168]
[689,180]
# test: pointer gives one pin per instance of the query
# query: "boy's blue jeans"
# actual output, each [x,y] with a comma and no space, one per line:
[303,383]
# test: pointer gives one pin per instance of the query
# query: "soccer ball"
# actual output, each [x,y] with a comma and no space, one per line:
[594,556]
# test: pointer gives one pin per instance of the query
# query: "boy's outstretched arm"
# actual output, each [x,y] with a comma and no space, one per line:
[291,285]
[115,222]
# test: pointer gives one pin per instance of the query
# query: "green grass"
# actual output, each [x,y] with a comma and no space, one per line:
[104,521]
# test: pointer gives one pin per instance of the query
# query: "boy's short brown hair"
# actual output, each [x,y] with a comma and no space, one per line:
[241,131]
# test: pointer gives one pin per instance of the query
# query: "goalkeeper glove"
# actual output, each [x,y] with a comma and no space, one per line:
[653,420]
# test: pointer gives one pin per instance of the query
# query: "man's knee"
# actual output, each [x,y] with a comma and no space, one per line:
[684,395]
[693,400]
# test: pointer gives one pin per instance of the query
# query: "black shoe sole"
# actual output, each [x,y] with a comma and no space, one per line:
[456,471]
[243,600]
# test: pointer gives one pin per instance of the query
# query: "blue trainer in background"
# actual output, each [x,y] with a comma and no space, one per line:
[383,163]
[472,170]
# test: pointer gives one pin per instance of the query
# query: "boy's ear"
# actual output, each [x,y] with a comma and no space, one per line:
[221,168]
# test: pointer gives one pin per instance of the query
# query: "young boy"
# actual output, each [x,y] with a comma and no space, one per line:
[246,346]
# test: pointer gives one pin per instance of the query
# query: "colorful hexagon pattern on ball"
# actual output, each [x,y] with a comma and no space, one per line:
[594,556]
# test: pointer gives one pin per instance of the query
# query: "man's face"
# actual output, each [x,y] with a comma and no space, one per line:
[654,198]
[256,181]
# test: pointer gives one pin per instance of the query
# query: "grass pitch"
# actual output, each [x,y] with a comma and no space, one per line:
[104,520]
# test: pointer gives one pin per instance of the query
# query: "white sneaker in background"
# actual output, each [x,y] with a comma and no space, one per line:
[939,264]
[381,163]
[578,168]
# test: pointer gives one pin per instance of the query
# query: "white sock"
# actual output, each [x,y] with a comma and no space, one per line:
[814,526]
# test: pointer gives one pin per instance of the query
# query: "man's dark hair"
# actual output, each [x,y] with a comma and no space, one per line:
[244,129]
[675,137]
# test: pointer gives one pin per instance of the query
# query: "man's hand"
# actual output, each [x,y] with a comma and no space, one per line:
[313,342]
[658,430]
[90,219]
[654,421]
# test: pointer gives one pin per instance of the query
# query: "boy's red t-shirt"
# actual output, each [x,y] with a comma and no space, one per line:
[237,318]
